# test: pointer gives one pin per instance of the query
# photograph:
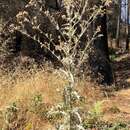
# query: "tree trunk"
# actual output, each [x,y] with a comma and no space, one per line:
[99,59]
[118,24]
[127,27]
[102,41]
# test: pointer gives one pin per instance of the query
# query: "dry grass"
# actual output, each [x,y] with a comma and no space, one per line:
[24,87]
[21,86]
[49,85]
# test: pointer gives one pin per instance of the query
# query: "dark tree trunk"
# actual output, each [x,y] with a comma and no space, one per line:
[128,27]
[102,41]
[99,58]
[118,25]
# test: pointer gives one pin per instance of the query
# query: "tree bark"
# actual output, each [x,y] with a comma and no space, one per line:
[128,27]
[118,25]
[99,60]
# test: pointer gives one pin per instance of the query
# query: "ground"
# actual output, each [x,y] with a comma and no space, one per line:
[23,90]
[117,106]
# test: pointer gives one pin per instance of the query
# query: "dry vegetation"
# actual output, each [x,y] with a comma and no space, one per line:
[22,87]
[28,95]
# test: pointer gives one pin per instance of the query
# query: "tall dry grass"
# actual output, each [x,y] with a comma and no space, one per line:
[22,85]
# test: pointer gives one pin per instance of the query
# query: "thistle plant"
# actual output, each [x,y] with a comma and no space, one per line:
[69,33]
[71,119]
[74,40]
